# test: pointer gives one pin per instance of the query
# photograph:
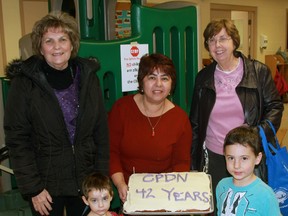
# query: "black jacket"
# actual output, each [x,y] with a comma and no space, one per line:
[41,153]
[257,93]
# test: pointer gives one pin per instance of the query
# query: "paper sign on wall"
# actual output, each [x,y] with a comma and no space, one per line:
[130,58]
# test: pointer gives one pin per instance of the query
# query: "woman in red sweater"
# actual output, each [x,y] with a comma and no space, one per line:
[148,133]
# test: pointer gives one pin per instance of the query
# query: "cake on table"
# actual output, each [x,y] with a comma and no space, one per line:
[169,192]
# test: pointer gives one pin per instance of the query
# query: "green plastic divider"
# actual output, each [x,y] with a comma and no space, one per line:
[91,27]
[5,87]
[172,32]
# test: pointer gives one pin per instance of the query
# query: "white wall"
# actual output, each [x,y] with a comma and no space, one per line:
[240,19]
[271,21]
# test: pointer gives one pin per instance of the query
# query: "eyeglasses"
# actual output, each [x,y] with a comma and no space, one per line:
[213,41]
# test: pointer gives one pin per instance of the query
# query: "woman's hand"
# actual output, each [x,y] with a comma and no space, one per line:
[41,202]
[122,190]
[119,182]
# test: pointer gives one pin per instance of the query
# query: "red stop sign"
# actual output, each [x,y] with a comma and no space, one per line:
[134,51]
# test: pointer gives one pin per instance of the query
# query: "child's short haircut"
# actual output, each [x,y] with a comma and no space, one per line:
[244,135]
[96,181]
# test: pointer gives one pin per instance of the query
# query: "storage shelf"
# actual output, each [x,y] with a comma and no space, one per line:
[277,62]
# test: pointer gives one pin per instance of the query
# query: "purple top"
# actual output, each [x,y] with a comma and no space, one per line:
[69,102]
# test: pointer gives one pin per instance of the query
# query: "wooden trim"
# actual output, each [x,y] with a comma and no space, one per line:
[127,5]
[2,41]
[232,7]
[286,28]
[123,6]
[22,12]
[281,133]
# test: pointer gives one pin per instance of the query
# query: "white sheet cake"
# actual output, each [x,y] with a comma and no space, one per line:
[169,192]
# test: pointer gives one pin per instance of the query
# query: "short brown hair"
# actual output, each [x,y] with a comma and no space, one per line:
[96,181]
[244,135]
[56,20]
[149,63]
[215,26]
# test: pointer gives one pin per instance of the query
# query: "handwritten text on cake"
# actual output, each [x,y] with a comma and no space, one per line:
[157,181]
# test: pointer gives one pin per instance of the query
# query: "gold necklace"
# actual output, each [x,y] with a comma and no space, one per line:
[153,127]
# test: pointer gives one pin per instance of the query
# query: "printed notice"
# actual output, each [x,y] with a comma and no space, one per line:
[130,58]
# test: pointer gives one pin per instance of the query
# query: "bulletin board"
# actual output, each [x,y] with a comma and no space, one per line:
[122,20]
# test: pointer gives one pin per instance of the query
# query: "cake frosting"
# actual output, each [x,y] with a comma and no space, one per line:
[169,192]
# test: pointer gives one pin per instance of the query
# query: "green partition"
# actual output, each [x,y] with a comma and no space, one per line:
[172,32]
[5,87]
[91,27]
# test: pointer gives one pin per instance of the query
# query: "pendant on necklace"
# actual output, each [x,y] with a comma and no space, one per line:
[153,132]
[149,121]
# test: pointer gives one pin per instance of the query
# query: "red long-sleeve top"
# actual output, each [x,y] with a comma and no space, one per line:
[134,149]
